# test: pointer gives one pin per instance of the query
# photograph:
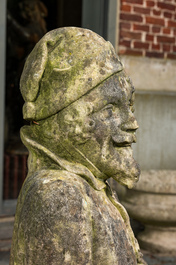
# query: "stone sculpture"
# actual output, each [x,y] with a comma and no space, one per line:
[80,104]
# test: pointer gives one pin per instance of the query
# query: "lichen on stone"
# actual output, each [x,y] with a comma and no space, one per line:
[79,101]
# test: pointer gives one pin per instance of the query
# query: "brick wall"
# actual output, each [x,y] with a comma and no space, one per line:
[148,28]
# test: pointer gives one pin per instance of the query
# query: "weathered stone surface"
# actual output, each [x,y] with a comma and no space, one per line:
[75,59]
[80,137]
[67,222]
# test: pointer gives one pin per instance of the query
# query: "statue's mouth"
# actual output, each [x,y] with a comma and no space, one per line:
[122,144]
[125,141]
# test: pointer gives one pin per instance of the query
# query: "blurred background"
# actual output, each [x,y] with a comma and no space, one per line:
[143,33]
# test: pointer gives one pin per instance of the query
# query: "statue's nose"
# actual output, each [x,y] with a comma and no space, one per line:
[130,125]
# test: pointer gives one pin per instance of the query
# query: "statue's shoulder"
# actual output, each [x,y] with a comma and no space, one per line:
[53,186]
[45,178]
[50,211]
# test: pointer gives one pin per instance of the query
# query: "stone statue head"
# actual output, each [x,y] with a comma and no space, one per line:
[80,103]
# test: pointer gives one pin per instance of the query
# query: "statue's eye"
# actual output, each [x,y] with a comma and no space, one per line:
[110,107]
[107,111]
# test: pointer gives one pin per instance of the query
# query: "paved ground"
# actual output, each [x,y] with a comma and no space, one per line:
[6,229]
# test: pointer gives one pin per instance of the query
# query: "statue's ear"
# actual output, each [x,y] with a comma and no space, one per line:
[33,71]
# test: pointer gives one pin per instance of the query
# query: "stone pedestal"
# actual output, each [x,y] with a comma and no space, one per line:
[153,203]
[158,239]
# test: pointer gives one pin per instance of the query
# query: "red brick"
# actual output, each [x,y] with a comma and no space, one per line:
[142,10]
[139,2]
[130,35]
[141,45]
[174,32]
[168,14]
[131,52]
[126,8]
[149,37]
[150,3]
[156,12]
[171,56]
[145,28]
[155,46]
[156,29]
[155,21]
[166,47]
[155,54]
[171,24]
[174,48]
[126,43]
[165,39]
[166,30]
[125,25]
[131,17]
[167,6]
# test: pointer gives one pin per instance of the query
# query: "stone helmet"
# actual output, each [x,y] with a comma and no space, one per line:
[63,66]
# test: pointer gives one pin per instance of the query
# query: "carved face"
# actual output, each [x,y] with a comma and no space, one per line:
[101,125]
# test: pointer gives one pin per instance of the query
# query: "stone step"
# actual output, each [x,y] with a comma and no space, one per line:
[6,227]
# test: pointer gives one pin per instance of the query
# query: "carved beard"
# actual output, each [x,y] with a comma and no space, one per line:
[114,162]
[121,161]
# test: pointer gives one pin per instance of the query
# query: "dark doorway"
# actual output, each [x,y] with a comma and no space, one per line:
[27,22]
[63,13]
